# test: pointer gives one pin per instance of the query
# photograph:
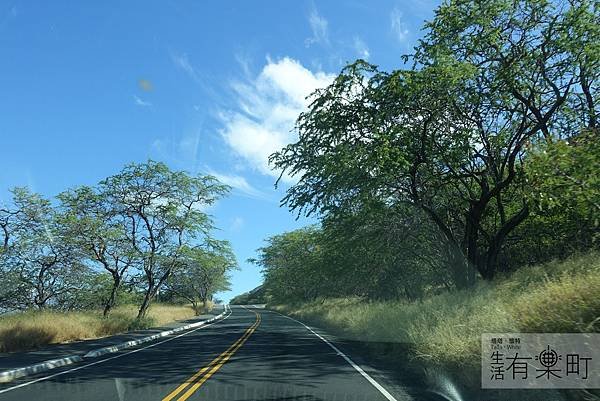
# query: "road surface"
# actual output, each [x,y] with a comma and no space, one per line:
[251,355]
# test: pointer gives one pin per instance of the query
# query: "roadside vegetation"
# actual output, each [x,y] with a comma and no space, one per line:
[32,329]
[456,195]
[77,265]
[445,329]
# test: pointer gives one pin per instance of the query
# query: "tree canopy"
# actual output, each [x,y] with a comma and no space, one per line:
[490,82]
[140,229]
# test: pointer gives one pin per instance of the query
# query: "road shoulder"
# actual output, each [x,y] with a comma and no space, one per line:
[15,365]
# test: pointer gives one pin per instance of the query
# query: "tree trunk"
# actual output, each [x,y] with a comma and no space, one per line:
[463,273]
[113,295]
[205,302]
[495,246]
[148,296]
[196,307]
[471,240]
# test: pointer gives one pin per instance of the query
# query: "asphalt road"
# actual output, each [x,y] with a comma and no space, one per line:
[251,355]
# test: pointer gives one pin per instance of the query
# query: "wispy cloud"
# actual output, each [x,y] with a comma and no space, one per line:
[244,60]
[7,17]
[319,28]
[141,102]
[182,61]
[240,183]
[202,78]
[267,107]
[182,152]
[237,223]
[399,28]
[361,48]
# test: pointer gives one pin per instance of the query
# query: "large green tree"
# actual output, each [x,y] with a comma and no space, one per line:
[292,265]
[162,213]
[41,264]
[205,271]
[564,191]
[382,252]
[97,229]
[376,253]
[449,136]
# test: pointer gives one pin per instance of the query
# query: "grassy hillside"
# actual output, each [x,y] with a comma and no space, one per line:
[256,296]
[445,329]
[31,329]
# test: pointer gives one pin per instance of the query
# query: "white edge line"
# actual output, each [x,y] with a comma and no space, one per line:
[131,343]
[108,359]
[378,386]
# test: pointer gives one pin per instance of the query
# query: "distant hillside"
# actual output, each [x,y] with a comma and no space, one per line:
[255,296]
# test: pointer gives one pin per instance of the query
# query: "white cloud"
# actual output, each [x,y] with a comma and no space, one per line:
[398,26]
[141,102]
[267,108]
[319,28]
[361,48]
[240,183]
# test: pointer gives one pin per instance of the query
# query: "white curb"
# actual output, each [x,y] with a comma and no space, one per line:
[118,347]
[13,374]
[10,375]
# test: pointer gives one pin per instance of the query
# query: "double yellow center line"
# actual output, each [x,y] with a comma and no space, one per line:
[195,381]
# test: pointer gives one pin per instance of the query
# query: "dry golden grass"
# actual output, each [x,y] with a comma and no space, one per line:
[161,313]
[446,329]
[31,329]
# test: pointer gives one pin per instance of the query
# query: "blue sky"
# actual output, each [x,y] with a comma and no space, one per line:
[208,87]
